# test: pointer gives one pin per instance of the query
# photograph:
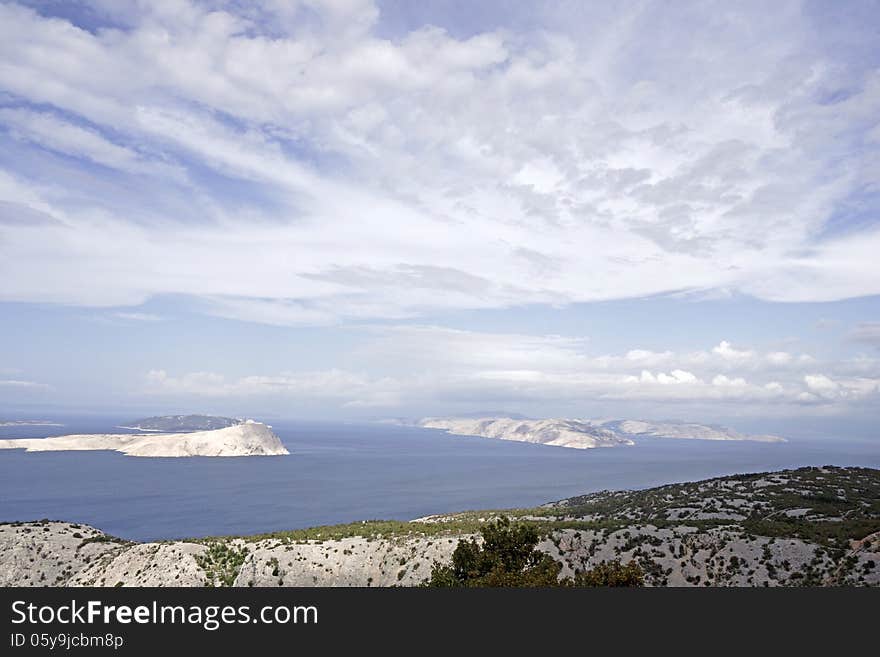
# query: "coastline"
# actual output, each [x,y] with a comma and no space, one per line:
[245,439]
[703,533]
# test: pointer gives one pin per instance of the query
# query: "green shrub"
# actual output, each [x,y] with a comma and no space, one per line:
[507,558]
[611,573]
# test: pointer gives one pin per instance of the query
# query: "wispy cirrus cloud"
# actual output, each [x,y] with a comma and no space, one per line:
[344,387]
[23,385]
[334,172]
[138,317]
[866,332]
[49,131]
[286,175]
[445,366]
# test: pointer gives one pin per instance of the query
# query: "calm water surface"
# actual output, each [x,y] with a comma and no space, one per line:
[344,472]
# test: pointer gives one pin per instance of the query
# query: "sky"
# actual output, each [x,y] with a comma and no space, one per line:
[355,209]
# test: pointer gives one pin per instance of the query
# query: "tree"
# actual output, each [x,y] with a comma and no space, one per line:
[611,573]
[507,557]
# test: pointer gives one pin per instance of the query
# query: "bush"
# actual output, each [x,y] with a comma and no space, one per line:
[611,573]
[508,558]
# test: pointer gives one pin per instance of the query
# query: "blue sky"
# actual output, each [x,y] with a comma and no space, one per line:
[340,208]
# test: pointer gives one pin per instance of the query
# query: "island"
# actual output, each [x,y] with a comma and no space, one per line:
[244,438]
[813,526]
[685,431]
[182,423]
[576,434]
[29,423]
[583,434]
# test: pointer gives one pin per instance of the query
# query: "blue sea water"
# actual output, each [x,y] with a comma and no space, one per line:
[345,472]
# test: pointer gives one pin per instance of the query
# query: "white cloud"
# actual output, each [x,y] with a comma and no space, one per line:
[724,381]
[138,317]
[833,389]
[727,352]
[675,377]
[424,365]
[647,357]
[779,357]
[376,177]
[334,384]
[23,385]
[464,351]
[821,384]
[48,131]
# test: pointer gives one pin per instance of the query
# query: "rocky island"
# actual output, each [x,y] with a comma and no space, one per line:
[810,526]
[29,423]
[583,434]
[684,431]
[182,423]
[576,434]
[244,438]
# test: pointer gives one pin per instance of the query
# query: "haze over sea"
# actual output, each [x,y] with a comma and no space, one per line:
[340,473]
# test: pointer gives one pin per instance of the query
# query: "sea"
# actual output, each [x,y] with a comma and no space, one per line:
[346,472]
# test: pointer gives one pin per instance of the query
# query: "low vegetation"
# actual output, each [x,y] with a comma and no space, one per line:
[507,558]
[805,527]
[221,563]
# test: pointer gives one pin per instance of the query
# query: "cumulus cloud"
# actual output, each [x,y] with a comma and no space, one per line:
[820,383]
[647,357]
[727,352]
[301,164]
[434,365]
[673,378]
[823,386]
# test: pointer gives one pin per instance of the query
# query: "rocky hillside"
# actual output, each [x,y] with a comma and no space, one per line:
[807,526]
[811,526]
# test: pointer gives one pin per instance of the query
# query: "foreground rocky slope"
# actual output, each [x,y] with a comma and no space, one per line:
[811,526]
[247,438]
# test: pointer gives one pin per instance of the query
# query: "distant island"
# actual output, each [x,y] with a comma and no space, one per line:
[243,438]
[29,423]
[583,434]
[806,527]
[182,423]
[576,434]
[684,431]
